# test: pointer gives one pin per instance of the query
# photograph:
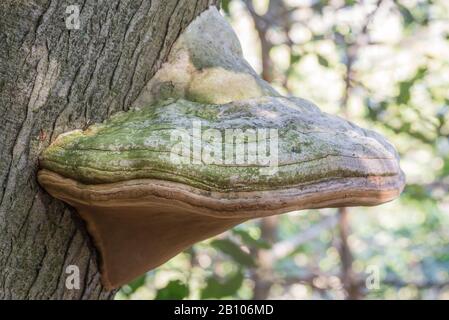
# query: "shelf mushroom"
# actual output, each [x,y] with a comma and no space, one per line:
[209,145]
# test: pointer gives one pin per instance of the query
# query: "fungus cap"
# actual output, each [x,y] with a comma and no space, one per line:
[209,145]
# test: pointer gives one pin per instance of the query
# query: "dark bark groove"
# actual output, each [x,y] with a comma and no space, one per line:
[53,80]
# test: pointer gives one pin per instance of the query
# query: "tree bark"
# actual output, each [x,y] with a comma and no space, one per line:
[53,80]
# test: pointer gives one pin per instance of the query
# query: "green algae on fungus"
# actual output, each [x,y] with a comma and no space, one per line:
[139,144]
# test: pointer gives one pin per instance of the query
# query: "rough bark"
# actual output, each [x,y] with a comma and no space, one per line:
[54,80]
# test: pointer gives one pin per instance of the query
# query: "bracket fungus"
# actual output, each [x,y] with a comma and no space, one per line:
[207,146]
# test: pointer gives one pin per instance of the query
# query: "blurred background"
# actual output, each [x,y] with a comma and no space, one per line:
[384,65]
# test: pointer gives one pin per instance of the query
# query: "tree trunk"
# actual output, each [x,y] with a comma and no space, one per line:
[54,79]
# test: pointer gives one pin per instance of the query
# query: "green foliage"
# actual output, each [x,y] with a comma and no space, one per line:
[407,15]
[231,249]
[175,290]
[224,5]
[248,240]
[220,288]
[322,61]
[405,86]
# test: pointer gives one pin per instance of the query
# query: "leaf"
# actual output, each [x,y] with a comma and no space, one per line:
[225,6]
[234,251]
[406,14]
[404,92]
[349,3]
[442,257]
[318,37]
[416,192]
[174,290]
[226,287]
[295,58]
[318,6]
[322,61]
[405,86]
[250,241]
